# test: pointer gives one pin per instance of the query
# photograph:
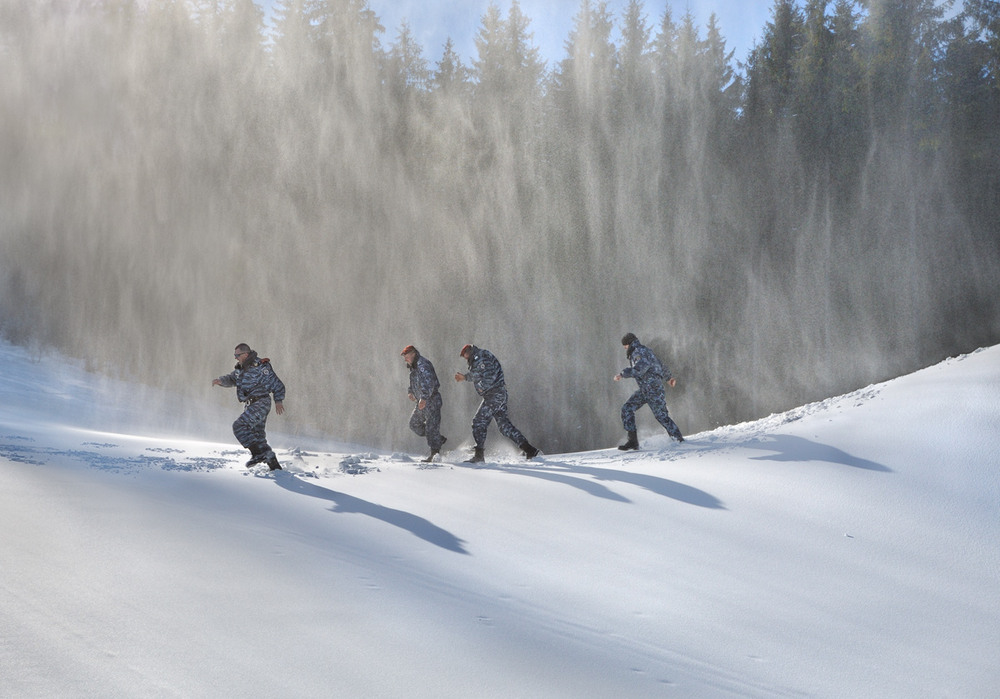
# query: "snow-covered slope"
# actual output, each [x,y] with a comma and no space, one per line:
[847,548]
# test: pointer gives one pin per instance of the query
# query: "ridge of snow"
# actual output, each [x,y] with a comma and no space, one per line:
[848,547]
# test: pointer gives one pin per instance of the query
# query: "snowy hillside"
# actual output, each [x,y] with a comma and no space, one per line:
[848,548]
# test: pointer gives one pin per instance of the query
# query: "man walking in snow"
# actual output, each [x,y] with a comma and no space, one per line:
[650,374]
[255,382]
[426,418]
[486,376]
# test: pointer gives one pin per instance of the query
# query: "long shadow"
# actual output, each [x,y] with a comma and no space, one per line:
[587,486]
[661,486]
[418,526]
[654,484]
[791,448]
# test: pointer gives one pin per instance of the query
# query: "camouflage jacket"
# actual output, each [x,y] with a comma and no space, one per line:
[254,379]
[645,366]
[423,379]
[485,371]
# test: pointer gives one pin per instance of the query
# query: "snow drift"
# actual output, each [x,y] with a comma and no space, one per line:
[846,548]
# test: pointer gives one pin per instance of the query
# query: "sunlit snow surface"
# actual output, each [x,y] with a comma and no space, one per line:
[847,548]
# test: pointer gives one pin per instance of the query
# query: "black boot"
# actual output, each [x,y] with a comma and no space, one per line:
[434,452]
[477,458]
[256,455]
[529,451]
[272,462]
[632,443]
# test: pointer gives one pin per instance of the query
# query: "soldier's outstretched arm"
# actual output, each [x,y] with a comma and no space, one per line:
[227,381]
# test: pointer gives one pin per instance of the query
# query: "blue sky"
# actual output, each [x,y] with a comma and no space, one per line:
[433,21]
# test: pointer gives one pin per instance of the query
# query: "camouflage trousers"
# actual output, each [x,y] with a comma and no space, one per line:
[494,407]
[249,427]
[427,422]
[650,393]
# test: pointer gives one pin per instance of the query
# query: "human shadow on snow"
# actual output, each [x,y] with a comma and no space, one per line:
[343,503]
[567,474]
[790,448]
[587,486]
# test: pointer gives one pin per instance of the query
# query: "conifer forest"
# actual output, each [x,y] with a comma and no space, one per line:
[179,176]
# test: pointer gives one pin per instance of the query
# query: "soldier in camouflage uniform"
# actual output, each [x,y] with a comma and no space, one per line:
[486,376]
[255,382]
[426,418]
[650,374]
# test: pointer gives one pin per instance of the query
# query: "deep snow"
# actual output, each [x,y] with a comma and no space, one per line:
[847,548]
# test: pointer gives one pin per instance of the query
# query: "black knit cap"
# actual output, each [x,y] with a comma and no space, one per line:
[629,338]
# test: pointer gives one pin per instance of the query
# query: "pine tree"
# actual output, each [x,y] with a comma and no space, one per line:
[770,73]
[850,127]
[633,84]
[450,76]
[406,79]
[406,67]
